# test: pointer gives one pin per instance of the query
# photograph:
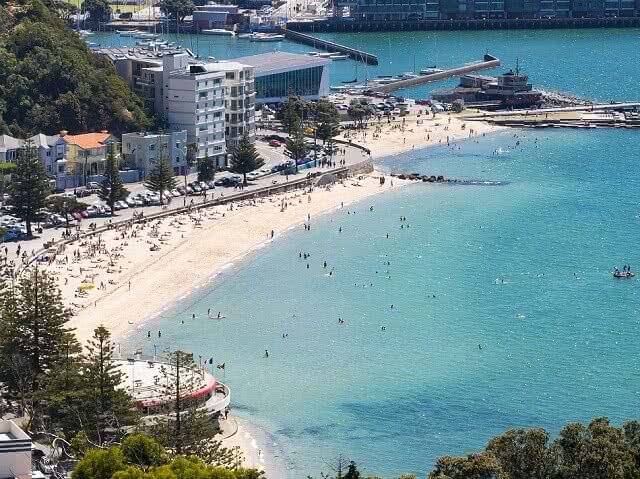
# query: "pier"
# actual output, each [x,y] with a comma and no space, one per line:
[331,47]
[488,62]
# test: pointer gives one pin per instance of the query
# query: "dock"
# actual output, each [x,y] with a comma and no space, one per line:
[331,47]
[488,62]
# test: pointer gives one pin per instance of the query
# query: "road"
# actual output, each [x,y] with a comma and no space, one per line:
[271,156]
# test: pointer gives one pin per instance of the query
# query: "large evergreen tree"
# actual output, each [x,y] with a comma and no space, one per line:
[293,111]
[206,169]
[112,189]
[33,337]
[296,146]
[30,186]
[106,404]
[161,177]
[327,120]
[245,158]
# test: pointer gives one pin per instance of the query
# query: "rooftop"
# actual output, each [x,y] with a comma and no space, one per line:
[141,53]
[9,142]
[268,62]
[86,141]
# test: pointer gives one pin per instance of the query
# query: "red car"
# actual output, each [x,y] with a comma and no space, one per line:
[275,143]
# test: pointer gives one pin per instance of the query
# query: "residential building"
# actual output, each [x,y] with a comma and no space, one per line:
[278,74]
[80,156]
[141,151]
[194,101]
[239,100]
[15,452]
[9,147]
[47,153]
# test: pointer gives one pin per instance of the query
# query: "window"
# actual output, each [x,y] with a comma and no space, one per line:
[152,147]
[229,76]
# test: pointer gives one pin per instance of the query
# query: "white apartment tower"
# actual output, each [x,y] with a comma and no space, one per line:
[239,100]
[193,100]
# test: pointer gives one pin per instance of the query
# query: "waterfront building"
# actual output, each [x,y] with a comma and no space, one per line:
[415,10]
[77,157]
[220,16]
[278,74]
[15,452]
[239,100]
[146,383]
[140,151]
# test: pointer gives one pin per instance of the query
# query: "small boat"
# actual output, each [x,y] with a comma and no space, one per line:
[430,71]
[339,88]
[217,31]
[128,33]
[325,55]
[267,37]
[313,54]
[622,274]
[245,36]
[355,80]
[146,36]
[339,57]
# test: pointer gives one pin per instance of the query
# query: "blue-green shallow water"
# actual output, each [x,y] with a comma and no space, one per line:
[394,400]
[597,64]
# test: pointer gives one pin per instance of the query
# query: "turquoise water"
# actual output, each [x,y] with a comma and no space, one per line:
[558,335]
[598,64]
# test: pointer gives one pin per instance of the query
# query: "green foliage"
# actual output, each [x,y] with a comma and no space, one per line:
[55,82]
[327,120]
[104,404]
[206,169]
[161,177]
[99,10]
[292,112]
[112,189]
[296,146]
[100,464]
[474,466]
[30,187]
[359,111]
[34,338]
[177,8]
[245,158]
[352,471]
[64,206]
[522,453]
[142,451]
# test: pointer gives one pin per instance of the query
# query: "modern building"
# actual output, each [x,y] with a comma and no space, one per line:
[239,100]
[140,151]
[278,74]
[394,10]
[220,16]
[15,452]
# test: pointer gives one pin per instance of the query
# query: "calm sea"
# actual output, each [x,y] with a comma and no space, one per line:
[504,312]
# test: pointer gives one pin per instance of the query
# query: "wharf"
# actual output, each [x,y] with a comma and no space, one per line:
[488,62]
[318,43]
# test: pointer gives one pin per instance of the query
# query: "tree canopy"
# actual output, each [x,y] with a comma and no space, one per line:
[177,8]
[55,82]
[245,158]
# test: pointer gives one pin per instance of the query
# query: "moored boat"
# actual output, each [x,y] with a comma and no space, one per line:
[217,31]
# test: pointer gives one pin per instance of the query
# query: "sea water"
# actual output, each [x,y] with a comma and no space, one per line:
[505,313]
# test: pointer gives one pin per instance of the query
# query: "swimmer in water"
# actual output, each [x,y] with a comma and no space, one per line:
[219,315]
[266,353]
[480,347]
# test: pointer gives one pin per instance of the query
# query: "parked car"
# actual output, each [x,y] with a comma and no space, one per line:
[211,184]
[93,185]
[84,193]
[175,193]
[275,143]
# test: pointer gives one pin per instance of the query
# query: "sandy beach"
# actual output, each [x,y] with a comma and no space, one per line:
[125,277]
[414,132]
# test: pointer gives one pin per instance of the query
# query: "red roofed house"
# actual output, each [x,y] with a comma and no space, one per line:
[81,156]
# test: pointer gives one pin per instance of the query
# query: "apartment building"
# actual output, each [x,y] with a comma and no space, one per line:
[141,151]
[15,452]
[239,100]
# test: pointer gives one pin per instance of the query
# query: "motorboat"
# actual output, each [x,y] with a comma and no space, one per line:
[267,37]
[128,33]
[147,36]
[85,33]
[431,71]
[217,31]
[338,57]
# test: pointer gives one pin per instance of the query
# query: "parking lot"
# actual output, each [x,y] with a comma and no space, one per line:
[142,200]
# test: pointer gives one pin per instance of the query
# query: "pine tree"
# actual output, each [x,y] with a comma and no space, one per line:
[245,158]
[30,187]
[296,146]
[161,178]
[112,189]
[106,405]
[327,120]
[206,169]
[33,336]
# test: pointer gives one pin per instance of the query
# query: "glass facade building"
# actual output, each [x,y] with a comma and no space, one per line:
[302,82]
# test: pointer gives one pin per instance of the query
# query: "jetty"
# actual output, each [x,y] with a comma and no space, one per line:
[331,47]
[487,63]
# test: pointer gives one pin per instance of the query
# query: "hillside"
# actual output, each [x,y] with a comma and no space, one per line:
[51,81]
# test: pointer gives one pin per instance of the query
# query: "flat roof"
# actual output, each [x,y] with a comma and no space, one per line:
[7,436]
[140,53]
[267,62]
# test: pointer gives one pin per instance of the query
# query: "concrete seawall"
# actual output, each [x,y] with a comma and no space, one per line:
[318,43]
[488,63]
